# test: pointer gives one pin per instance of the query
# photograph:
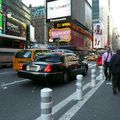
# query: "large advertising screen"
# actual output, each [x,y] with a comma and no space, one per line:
[97,35]
[58,9]
[15,27]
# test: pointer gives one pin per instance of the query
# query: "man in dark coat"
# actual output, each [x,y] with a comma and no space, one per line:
[115,70]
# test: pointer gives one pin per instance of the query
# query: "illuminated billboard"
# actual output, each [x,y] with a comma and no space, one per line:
[15,27]
[1,21]
[58,9]
[1,17]
[63,34]
[1,5]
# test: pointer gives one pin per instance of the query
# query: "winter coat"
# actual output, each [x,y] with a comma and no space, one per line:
[115,64]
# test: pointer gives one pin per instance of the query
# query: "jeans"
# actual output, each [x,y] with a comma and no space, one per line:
[107,70]
[115,82]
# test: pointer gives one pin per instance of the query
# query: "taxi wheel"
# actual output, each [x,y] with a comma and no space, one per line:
[66,77]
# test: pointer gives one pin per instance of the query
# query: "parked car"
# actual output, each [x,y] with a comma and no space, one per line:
[54,67]
[27,55]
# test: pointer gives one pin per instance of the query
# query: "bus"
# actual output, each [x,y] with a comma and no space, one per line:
[9,45]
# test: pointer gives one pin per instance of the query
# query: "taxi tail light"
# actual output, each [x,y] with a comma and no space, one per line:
[48,68]
[21,66]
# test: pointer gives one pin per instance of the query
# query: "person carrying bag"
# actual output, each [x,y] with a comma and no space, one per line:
[106,57]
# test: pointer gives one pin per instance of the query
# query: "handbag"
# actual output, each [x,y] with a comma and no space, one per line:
[105,62]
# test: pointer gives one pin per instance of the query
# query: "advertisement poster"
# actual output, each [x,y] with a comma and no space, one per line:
[63,34]
[77,40]
[97,35]
[16,27]
[87,43]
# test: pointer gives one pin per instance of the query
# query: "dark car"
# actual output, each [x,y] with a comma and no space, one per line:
[54,67]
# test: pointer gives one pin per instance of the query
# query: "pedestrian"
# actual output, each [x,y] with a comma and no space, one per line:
[115,71]
[106,57]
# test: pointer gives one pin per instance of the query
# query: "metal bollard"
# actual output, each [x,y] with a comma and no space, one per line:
[101,73]
[79,87]
[93,78]
[46,104]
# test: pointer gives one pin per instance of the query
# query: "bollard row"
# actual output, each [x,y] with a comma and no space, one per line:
[46,94]
[79,86]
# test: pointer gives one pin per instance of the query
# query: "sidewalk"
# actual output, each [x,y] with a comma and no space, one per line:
[103,105]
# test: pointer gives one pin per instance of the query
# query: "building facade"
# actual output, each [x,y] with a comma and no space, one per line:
[14,27]
[70,23]
[38,21]
[101,17]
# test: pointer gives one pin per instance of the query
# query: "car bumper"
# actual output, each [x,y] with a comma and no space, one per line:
[41,76]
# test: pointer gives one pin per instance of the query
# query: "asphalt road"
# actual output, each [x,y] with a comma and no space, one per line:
[20,98]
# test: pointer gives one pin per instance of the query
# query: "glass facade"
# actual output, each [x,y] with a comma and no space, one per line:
[88,16]
[38,11]
[95,9]
[18,9]
[15,18]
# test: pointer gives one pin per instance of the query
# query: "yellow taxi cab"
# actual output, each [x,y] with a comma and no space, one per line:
[26,55]
[92,57]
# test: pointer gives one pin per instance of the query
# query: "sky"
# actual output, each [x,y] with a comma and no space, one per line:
[115,12]
[33,2]
[114,3]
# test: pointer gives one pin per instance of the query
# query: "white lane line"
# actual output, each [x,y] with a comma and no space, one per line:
[92,65]
[57,107]
[73,110]
[15,82]
[6,72]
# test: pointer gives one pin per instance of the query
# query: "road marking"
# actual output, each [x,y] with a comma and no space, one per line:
[6,72]
[94,65]
[15,82]
[57,107]
[109,83]
[73,110]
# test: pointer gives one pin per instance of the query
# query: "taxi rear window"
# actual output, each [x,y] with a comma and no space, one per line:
[24,54]
[49,58]
[39,52]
